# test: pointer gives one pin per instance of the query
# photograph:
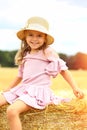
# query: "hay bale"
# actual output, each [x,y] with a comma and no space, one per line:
[52,118]
[3,119]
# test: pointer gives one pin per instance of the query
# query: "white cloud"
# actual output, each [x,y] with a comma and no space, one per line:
[81,3]
[20,10]
[8,40]
[68,22]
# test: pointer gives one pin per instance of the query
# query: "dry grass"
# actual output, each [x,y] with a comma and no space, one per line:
[66,116]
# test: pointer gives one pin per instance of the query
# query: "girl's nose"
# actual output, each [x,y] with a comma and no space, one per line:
[34,37]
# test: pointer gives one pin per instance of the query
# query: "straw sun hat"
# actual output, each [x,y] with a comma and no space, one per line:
[37,24]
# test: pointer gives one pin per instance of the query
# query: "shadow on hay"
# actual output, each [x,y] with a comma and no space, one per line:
[66,116]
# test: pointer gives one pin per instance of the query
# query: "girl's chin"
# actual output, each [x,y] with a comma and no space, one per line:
[35,47]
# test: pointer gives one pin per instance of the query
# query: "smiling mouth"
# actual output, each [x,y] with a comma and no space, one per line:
[34,43]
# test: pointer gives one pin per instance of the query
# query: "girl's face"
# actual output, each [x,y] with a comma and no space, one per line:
[35,39]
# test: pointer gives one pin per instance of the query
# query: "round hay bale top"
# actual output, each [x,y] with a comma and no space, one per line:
[52,118]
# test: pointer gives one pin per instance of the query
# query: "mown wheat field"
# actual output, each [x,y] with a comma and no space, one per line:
[66,116]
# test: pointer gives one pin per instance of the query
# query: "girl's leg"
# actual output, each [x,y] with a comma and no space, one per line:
[2,100]
[13,112]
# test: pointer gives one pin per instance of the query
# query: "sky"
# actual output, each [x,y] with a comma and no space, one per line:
[67,20]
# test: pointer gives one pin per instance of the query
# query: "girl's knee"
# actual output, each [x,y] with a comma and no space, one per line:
[11,112]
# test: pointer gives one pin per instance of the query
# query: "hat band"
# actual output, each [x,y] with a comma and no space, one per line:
[36,27]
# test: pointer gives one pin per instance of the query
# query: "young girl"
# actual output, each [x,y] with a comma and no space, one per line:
[37,64]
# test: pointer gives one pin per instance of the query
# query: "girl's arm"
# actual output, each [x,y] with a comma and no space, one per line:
[68,77]
[14,83]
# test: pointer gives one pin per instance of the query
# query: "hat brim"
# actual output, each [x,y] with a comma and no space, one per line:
[21,35]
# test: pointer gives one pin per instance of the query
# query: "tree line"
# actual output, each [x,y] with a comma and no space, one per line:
[7,58]
[74,62]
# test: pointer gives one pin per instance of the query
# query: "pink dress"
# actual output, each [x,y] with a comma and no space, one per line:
[36,72]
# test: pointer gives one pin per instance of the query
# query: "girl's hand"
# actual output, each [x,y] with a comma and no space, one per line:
[78,93]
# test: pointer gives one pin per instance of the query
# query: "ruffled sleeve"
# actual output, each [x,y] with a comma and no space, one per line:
[55,66]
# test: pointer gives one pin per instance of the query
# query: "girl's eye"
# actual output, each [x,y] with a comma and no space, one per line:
[30,35]
[39,36]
